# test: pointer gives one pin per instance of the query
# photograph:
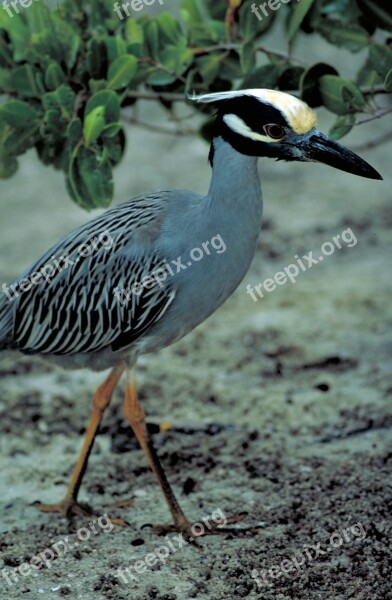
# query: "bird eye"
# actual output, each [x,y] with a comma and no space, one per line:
[274,131]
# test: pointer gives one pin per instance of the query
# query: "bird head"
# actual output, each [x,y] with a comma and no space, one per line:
[261,122]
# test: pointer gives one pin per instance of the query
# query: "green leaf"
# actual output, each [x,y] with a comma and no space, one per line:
[388,81]
[54,76]
[298,14]
[58,40]
[18,33]
[115,146]
[24,81]
[115,46]
[40,81]
[5,50]
[290,78]
[216,9]
[217,30]
[121,72]
[54,154]
[38,17]
[176,58]
[8,166]
[342,126]
[64,98]
[134,33]
[341,96]
[377,11]
[96,85]
[16,141]
[344,35]
[141,75]
[209,66]
[6,20]
[169,28]
[18,114]
[6,80]
[96,13]
[8,162]
[152,38]
[231,69]
[340,6]
[247,56]
[251,26]
[109,100]
[381,59]
[190,12]
[157,77]
[68,40]
[90,179]
[200,35]
[94,124]
[97,59]
[367,76]
[310,83]
[53,126]
[74,132]
[266,76]
[110,131]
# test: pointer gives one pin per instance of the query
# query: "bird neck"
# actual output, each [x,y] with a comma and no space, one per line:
[235,182]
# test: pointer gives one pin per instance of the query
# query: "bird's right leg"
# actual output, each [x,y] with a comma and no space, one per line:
[102,397]
[137,420]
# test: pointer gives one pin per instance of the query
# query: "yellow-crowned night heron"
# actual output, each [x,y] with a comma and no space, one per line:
[75,316]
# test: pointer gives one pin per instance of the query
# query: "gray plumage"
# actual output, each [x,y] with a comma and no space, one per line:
[76,318]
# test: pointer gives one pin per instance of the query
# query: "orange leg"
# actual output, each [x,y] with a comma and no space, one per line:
[137,420]
[101,401]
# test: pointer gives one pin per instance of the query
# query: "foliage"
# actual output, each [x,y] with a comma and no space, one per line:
[68,73]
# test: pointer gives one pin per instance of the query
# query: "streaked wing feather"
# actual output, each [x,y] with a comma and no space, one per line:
[77,310]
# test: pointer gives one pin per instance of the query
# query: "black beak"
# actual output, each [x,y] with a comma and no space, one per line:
[318,147]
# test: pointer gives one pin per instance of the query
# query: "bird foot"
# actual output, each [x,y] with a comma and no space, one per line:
[70,508]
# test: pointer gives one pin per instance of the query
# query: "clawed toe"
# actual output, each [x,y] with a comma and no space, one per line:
[70,509]
[67,507]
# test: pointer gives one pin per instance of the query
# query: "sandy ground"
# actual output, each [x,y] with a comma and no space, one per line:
[279,408]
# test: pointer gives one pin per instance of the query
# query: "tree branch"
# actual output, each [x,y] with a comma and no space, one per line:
[376,89]
[158,129]
[375,116]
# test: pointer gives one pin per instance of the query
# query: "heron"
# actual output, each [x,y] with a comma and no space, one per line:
[72,315]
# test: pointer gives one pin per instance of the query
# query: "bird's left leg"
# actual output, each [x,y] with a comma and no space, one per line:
[136,418]
[102,397]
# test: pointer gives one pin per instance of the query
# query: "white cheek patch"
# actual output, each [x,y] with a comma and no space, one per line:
[239,126]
